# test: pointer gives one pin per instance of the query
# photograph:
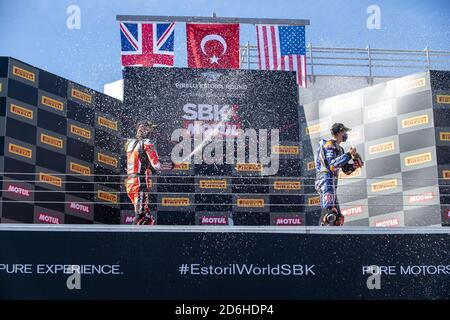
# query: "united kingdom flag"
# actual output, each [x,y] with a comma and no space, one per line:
[147,44]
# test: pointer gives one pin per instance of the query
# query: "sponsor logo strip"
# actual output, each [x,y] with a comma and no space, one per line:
[446,174]
[107,196]
[443,99]
[52,103]
[428,196]
[52,141]
[50,179]
[112,161]
[214,220]
[354,174]
[388,223]
[24,74]
[79,207]
[175,202]
[78,168]
[286,185]
[83,96]
[213,184]
[252,203]
[353,211]
[18,190]
[311,166]
[107,123]
[384,185]
[181,166]
[286,150]
[382,147]
[444,136]
[413,84]
[418,159]
[314,201]
[84,133]
[21,111]
[415,121]
[316,128]
[46,218]
[249,167]
[281,221]
[19,150]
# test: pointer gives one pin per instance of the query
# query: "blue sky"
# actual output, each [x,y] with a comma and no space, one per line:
[35,30]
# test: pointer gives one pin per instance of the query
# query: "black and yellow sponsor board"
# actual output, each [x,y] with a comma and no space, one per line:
[20,150]
[175,201]
[50,179]
[52,103]
[107,159]
[313,201]
[384,185]
[105,122]
[249,167]
[107,196]
[319,128]
[23,73]
[80,131]
[250,203]
[213,184]
[286,185]
[286,150]
[21,111]
[49,139]
[443,98]
[80,94]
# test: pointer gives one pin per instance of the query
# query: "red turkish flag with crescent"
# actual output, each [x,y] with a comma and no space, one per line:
[213,45]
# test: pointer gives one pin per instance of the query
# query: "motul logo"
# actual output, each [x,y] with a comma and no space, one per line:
[129,219]
[42,217]
[388,223]
[421,197]
[79,207]
[288,221]
[214,220]
[352,211]
[19,190]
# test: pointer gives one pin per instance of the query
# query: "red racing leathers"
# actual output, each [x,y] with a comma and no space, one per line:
[142,161]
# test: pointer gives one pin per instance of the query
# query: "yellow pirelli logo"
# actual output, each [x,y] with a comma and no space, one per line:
[181,166]
[443,98]
[314,201]
[413,84]
[384,185]
[311,166]
[382,147]
[316,128]
[286,185]
[52,141]
[175,202]
[213,184]
[107,196]
[286,150]
[250,203]
[52,103]
[20,151]
[107,123]
[81,132]
[21,111]
[249,167]
[418,159]
[50,179]
[444,136]
[415,121]
[78,168]
[24,74]
[353,136]
[354,174]
[83,96]
[1,86]
[379,111]
[112,161]
[446,174]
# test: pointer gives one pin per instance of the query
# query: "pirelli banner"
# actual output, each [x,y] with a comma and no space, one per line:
[232,264]
[56,136]
[204,116]
[401,129]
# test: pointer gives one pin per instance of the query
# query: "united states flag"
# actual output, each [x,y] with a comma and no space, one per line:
[282,48]
[147,44]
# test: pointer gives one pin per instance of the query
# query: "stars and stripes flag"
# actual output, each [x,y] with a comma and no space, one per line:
[147,44]
[282,48]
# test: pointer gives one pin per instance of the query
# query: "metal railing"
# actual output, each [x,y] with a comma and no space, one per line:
[366,62]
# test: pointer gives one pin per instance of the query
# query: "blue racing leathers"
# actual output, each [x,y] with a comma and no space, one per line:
[330,158]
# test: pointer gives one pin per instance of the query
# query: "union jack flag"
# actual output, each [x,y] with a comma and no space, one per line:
[147,44]
[282,48]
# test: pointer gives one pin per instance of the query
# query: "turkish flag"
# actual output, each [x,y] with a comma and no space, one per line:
[213,45]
